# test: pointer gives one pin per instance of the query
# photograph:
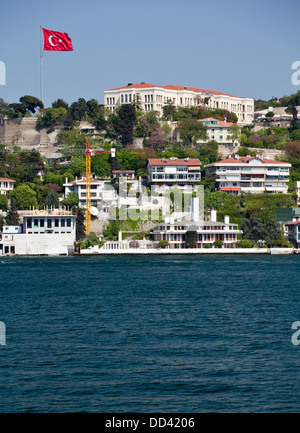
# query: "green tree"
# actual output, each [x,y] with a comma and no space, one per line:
[52,200]
[31,103]
[163,244]
[3,202]
[12,218]
[80,224]
[235,133]
[24,197]
[253,228]
[190,131]
[191,238]
[2,222]
[71,200]
[272,232]
[124,123]
[100,164]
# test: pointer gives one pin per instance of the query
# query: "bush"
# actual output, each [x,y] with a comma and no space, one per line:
[245,243]
[163,244]
[218,243]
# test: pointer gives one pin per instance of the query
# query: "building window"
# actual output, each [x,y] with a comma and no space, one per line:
[125,98]
[63,221]
[35,222]
[122,99]
[29,223]
[42,223]
[49,223]
[56,222]
[68,222]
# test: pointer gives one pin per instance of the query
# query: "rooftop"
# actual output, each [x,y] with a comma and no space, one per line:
[5,179]
[249,160]
[174,161]
[170,87]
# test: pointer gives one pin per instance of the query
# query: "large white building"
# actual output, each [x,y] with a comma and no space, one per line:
[252,175]
[153,97]
[48,232]
[206,233]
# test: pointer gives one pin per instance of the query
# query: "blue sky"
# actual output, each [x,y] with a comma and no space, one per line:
[245,48]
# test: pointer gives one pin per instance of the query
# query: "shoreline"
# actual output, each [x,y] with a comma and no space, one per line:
[154,251]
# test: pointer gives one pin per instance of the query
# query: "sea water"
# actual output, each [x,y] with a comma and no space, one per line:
[149,334]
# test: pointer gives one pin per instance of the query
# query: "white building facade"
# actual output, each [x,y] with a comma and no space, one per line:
[51,232]
[217,130]
[254,175]
[168,172]
[153,97]
[101,191]
[206,233]
[6,185]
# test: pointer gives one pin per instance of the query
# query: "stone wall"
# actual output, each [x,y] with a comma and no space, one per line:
[23,133]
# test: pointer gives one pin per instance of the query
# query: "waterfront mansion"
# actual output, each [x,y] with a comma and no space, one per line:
[252,175]
[204,233]
[153,98]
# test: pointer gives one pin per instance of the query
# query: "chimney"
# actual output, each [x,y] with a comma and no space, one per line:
[213,216]
[226,219]
[195,209]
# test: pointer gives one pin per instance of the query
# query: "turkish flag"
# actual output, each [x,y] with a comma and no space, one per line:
[56,41]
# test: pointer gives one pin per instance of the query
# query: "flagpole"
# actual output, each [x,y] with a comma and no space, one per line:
[41,49]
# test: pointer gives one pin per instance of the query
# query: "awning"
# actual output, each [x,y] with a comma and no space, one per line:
[229,188]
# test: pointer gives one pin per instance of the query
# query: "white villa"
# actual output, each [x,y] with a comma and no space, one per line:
[101,191]
[205,232]
[6,185]
[153,97]
[252,175]
[217,130]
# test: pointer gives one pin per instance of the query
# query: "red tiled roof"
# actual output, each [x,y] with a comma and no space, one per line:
[5,179]
[173,87]
[123,171]
[294,223]
[171,162]
[221,123]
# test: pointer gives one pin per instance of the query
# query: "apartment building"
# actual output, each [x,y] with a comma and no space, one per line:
[153,97]
[167,172]
[252,175]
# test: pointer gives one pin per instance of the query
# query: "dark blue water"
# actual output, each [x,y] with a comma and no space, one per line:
[150,334]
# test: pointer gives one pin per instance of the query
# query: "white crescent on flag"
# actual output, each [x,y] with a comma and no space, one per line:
[50,41]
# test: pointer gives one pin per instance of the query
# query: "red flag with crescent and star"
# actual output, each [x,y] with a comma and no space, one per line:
[57,41]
